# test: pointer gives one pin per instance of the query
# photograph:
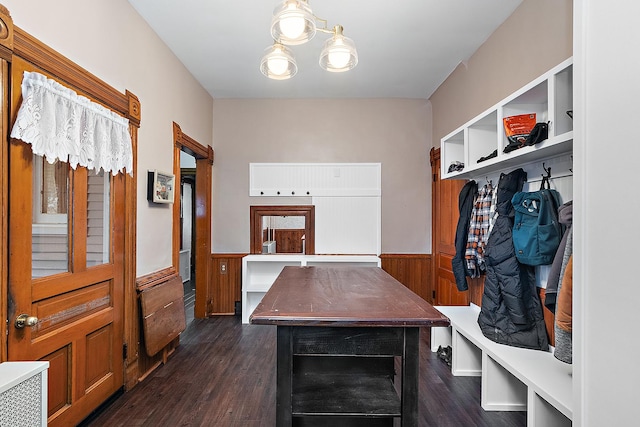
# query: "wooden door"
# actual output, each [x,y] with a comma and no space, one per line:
[445,220]
[66,242]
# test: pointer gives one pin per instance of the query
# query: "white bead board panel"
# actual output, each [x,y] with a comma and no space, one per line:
[346,196]
[348,225]
[314,179]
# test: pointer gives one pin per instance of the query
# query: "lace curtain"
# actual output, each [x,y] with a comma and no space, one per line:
[60,124]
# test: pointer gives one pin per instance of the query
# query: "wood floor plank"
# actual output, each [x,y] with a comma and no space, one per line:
[223,374]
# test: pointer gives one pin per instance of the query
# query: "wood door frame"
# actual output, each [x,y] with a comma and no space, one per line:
[257,212]
[16,43]
[204,161]
[6,47]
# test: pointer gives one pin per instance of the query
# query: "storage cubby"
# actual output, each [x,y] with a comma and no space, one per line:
[481,138]
[531,101]
[467,360]
[260,271]
[563,96]
[453,149]
[549,97]
[512,378]
[501,390]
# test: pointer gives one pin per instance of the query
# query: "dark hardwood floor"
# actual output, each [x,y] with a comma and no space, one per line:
[223,374]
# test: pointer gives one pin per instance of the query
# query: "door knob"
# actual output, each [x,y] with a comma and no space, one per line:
[25,320]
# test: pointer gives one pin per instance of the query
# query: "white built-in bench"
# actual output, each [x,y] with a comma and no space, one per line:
[513,379]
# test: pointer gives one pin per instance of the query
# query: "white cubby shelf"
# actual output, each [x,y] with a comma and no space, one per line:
[512,378]
[260,271]
[550,96]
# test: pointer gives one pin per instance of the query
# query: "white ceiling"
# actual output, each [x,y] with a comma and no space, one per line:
[406,48]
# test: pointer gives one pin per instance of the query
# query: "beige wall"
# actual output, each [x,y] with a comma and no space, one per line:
[128,56]
[394,132]
[535,38]
[397,133]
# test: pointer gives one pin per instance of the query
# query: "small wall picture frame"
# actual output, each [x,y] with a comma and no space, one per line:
[160,186]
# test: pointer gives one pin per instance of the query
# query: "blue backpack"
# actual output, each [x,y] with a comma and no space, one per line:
[536,229]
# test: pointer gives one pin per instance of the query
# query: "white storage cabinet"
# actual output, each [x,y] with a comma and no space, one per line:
[550,96]
[514,378]
[260,271]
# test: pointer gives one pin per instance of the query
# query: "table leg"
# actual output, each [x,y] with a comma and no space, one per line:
[284,372]
[410,377]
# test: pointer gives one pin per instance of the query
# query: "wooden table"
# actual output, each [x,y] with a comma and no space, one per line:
[339,332]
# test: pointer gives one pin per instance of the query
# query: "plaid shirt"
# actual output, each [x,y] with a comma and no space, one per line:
[481,216]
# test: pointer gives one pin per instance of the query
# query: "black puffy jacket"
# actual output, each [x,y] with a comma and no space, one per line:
[511,311]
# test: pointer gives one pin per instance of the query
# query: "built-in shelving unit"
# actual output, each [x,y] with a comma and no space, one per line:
[550,97]
[514,378]
[260,271]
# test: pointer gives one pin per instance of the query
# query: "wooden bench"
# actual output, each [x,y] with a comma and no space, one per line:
[513,379]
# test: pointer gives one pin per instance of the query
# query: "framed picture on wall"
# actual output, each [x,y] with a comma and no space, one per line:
[160,187]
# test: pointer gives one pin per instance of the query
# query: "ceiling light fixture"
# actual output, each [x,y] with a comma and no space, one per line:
[294,23]
[278,63]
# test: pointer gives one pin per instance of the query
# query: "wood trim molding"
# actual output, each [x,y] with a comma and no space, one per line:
[6,34]
[6,46]
[204,160]
[134,113]
[42,56]
[190,145]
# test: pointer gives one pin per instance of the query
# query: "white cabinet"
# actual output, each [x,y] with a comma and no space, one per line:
[23,393]
[260,271]
[314,179]
[550,97]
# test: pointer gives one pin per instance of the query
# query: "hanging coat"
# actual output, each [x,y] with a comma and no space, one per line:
[564,322]
[565,217]
[511,311]
[478,231]
[465,206]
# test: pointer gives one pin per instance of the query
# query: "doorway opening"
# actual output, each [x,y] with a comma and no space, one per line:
[187,231]
[191,257]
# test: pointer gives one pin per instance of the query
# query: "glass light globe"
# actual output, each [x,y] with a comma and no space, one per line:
[277,65]
[339,55]
[292,23]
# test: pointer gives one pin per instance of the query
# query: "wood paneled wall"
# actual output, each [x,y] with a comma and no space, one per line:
[226,283]
[288,241]
[412,270]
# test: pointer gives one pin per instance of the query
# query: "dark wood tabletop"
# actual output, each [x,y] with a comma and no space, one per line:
[343,296]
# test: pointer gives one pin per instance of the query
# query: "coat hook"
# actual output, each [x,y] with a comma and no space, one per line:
[545,178]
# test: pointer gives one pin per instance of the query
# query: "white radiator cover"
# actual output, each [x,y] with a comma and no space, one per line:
[23,394]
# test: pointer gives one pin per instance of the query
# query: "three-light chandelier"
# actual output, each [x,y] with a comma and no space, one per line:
[294,23]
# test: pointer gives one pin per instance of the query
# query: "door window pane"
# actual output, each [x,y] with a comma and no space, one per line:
[98,229]
[50,230]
